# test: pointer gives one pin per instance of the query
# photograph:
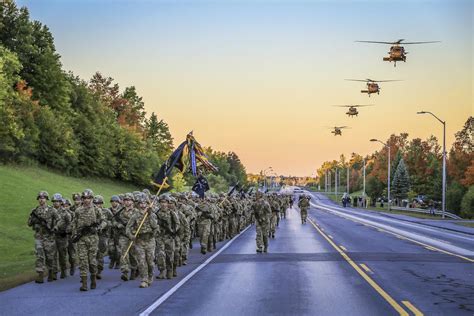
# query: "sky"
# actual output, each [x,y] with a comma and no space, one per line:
[260,77]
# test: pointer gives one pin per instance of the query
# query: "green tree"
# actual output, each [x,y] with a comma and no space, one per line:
[179,184]
[401,181]
[159,137]
[467,203]
[454,195]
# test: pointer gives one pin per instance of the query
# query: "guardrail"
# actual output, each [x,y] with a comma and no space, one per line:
[419,210]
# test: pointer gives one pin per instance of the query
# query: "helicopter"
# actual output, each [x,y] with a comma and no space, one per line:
[397,52]
[353,109]
[372,85]
[337,130]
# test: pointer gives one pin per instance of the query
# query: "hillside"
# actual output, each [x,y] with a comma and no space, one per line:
[19,186]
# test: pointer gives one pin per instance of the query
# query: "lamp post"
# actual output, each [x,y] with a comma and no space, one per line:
[388,147]
[444,159]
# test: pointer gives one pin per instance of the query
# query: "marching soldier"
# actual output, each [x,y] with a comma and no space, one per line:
[262,212]
[87,222]
[114,247]
[145,240]
[303,204]
[42,220]
[103,234]
[205,216]
[166,239]
[62,231]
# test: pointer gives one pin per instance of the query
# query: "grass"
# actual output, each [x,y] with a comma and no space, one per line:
[338,198]
[18,191]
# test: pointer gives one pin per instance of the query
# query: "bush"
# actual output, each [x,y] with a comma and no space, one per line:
[467,203]
[454,196]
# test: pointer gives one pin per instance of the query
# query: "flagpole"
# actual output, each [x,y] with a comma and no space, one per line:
[144,217]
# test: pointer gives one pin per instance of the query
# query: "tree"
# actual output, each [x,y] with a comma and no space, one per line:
[159,137]
[454,195]
[467,203]
[401,181]
[179,184]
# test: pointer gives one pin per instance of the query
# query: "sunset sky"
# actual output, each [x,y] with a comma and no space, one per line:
[259,77]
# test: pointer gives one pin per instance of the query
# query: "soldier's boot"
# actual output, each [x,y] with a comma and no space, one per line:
[72,270]
[39,278]
[124,276]
[150,280]
[55,276]
[144,284]
[50,276]
[99,273]
[185,261]
[132,274]
[162,275]
[63,274]
[273,235]
[203,251]
[265,249]
[84,283]
[169,273]
[175,274]
[117,265]
[191,244]
[93,281]
[259,250]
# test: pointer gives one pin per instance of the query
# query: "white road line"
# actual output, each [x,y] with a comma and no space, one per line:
[458,251]
[170,292]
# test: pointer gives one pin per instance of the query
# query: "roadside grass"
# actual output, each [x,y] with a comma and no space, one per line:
[338,198]
[19,187]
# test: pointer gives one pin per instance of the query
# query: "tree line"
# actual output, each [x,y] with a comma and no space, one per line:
[416,169]
[80,127]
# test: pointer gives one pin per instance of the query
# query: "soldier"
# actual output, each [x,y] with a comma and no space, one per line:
[262,212]
[114,247]
[187,207]
[185,230]
[205,217]
[303,204]
[42,220]
[275,206]
[144,240]
[166,239]
[62,229]
[119,222]
[71,247]
[103,234]
[87,222]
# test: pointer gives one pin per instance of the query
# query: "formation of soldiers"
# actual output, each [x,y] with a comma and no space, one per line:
[140,231]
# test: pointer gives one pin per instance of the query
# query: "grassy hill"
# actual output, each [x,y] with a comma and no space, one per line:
[19,186]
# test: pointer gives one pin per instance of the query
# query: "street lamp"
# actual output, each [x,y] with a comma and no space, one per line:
[444,159]
[388,147]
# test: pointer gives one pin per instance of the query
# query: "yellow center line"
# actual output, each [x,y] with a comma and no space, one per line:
[366,268]
[364,275]
[343,248]
[414,241]
[330,237]
[431,248]
[415,310]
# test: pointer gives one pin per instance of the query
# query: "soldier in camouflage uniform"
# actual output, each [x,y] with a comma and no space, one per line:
[71,248]
[262,212]
[87,222]
[205,217]
[275,206]
[144,240]
[185,229]
[42,220]
[113,246]
[187,208]
[182,232]
[119,222]
[165,242]
[303,204]
[103,234]
[62,230]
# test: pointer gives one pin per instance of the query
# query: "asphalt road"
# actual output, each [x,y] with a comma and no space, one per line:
[342,262]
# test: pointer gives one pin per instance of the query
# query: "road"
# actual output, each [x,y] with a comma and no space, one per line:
[342,262]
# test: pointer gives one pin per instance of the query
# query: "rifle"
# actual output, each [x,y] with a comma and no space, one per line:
[84,231]
[42,221]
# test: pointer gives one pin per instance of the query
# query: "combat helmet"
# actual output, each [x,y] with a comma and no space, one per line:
[57,197]
[42,195]
[76,196]
[115,198]
[98,199]
[87,194]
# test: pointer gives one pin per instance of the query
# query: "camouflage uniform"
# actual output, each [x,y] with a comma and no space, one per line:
[71,248]
[103,234]
[262,213]
[188,210]
[144,241]
[62,230]
[87,222]
[42,220]
[303,204]
[205,216]
[113,246]
[119,222]
[275,205]
[165,242]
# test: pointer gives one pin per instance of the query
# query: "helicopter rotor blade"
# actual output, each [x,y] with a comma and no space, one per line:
[429,42]
[375,42]
[356,80]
